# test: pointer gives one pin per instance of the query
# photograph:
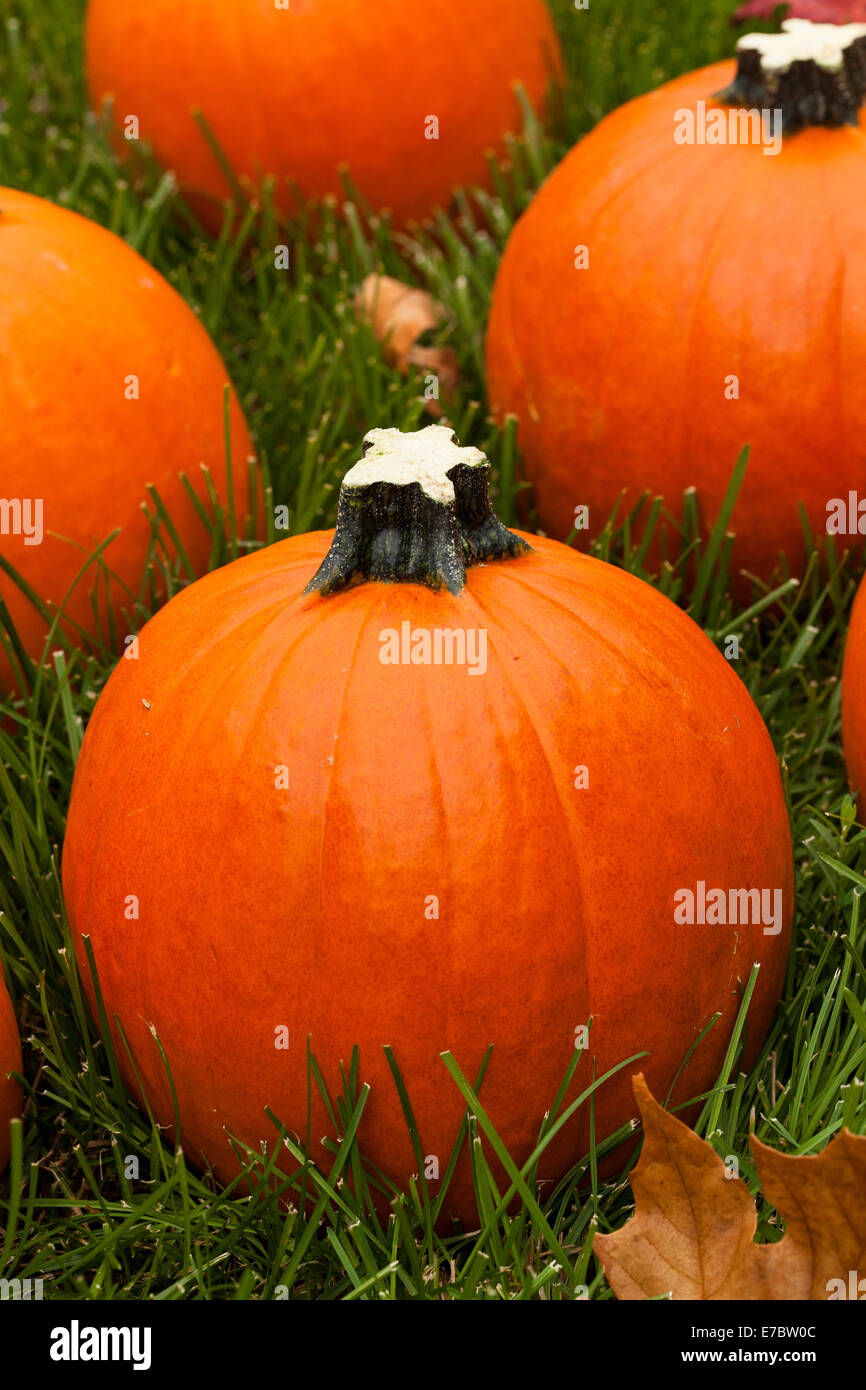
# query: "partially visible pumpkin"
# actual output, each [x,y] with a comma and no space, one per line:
[108,382]
[10,1060]
[819,11]
[854,697]
[299,90]
[284,817]
[662,304]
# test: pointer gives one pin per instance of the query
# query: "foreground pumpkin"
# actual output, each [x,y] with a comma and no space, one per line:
[108,382]
[10,1060]
[410,97]
[661,304]
[427,783]
[854,697]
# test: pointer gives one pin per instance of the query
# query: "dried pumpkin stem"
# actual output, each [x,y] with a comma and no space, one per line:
[415,509]
[815,74]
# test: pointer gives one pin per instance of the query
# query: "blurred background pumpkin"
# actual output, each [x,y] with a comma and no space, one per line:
[662,304]
[409,97]
[10,1060]
[108,382]
[854,698]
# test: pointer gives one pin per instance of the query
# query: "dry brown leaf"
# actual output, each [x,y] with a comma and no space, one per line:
[398,315]
[692,1234]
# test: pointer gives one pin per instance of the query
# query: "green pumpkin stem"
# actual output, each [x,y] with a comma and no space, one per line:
[815,74]
[416,510]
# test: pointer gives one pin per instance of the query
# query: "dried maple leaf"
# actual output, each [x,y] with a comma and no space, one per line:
[692,1234]
[819,11]
[399,315]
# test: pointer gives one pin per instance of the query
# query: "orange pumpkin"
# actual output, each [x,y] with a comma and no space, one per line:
[299,90]
[108,382]
[854,697]
[661,304]
[10,1060]
[448,807]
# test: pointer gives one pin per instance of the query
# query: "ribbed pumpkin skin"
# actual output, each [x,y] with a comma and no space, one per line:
[10,1060]
[306,907]
[298,92]
[80,312]
[854,697]
[705,261]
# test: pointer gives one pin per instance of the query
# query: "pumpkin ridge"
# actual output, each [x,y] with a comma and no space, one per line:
[652,174]
[352,668]
[625,610]
[612,368]
[277,673]
[444,825]
[840,279]
[712,252]
[569,814]
[189,675]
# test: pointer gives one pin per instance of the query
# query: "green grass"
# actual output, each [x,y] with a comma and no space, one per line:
[312,381]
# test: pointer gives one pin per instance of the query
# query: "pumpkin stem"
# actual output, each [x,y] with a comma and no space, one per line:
[815,74]
[414,509]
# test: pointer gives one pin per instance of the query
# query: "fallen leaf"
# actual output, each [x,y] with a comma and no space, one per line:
[819,11]
[822,1198]
[399,315]
[692,1234]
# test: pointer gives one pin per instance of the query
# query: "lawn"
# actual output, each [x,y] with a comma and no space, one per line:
[76,1212]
